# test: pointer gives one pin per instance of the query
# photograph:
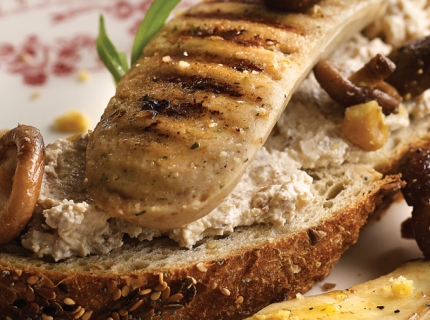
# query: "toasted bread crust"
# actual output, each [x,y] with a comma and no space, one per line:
[232,286]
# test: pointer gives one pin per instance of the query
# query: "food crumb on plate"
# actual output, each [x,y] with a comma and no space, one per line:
[35,95]
[73,121]
[84,75]
[328,286]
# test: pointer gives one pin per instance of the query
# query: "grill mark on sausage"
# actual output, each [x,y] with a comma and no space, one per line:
[268,21]
[111,117]
[196,83]
[173,109]
[240,65]
[231,35]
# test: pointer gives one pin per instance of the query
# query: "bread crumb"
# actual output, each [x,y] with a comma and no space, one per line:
[183,64]
[401,287]
[299,296]
[73,121]
[328,286]
[84,76]
[35,95]
[167,59]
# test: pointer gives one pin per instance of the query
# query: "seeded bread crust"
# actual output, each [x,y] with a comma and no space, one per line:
[228,278]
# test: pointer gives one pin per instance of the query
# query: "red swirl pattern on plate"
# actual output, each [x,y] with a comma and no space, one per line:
[36,60]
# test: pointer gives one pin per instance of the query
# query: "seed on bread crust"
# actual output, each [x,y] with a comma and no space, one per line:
[111,286]
[225,291]
[315,236]
[156,295]
[136,305]
[125,291]
[201,267]
[161,286]
[175,297]
[79,313]
[165,293]
[145,291]
[161,277]
[32,280]
[239,300]
[87,315]
[69,301]
[115,316]
[116,294]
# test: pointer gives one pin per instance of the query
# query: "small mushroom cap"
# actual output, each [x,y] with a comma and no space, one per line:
[415,169]
[22,154]
[412,75]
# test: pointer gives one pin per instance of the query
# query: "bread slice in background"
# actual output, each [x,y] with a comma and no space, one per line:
[401,294]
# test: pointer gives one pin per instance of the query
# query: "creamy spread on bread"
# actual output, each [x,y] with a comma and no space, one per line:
[275,187]
[67,223]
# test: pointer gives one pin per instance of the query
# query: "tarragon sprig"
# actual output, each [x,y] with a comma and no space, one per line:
[115,61]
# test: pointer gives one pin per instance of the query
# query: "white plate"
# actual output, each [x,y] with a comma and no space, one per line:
[49,42]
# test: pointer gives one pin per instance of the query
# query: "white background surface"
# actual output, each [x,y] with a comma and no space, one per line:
[380,248]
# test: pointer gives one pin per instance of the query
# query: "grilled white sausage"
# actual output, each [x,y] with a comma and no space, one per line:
[191,114]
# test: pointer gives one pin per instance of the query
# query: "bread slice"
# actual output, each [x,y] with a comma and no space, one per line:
[221,278]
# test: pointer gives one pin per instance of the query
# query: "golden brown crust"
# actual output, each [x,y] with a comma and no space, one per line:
[232,286]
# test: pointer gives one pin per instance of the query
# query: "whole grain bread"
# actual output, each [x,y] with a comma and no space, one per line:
[221,278]
[232,276]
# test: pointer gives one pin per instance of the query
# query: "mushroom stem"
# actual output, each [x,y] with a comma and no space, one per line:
[22,156]
[373,72]
[348,93]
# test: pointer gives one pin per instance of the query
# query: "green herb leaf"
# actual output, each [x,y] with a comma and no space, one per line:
[115,62]
[154,19]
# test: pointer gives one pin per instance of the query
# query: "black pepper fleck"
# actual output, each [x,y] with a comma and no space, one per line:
[397,311]
[195,145]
